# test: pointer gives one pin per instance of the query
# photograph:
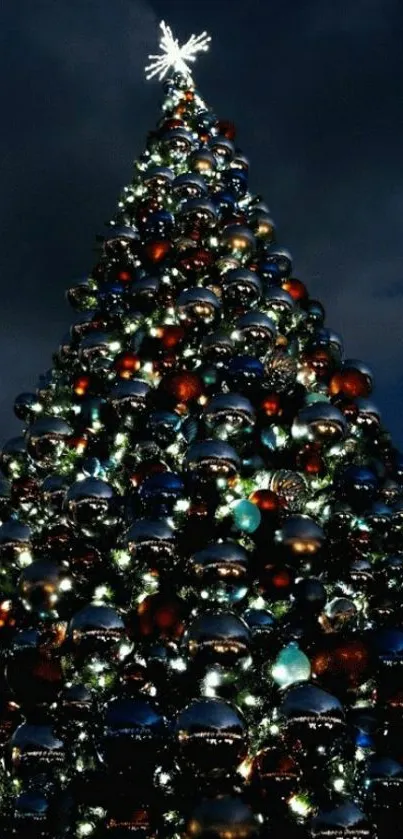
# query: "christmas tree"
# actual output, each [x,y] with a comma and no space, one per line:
[201,534]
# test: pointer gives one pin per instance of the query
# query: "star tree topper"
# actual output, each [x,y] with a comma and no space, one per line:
[173,55]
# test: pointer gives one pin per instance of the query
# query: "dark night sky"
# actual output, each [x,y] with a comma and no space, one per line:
[316,90]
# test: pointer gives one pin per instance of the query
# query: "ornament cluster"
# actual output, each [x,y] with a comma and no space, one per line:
[201,537]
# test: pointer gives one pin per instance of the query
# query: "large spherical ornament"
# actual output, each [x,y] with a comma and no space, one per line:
[369,415]
[90,506]
[158,223]
[35,749]
[229,414]
[189,185]
[244,371]
[346,820]
[352,381]
[47,439]
[133,736]
[281,370]
[301,537]
[198,307]
[156,250]
[203,161]
[151,543]
[384,783]
[218,638]
[279,302]
[256,332]
[388,646]
[33,814]
[199,213]
[359,486]
[96,629]
[13,456]
[177,143]
[312,717]
[15,543]
[160,492]
[212,460]
[309,595]
[165,427]
[33,671]
[42,583]
[290,488]
[120,240]
[217,347]
[158,179]
[236,180]
[95,347]
[242,289]
[185,387]
[320,422]
[194,262]
[220,818]
[238,240]
[128,398]
[219,573]
[27,406]
[275,777]
[276,266]
[212,737]
[223,150]
[341,664]
[159,616]
[143,294]
[291,666]
[263,226]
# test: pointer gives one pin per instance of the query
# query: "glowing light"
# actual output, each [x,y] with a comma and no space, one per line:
[175,56]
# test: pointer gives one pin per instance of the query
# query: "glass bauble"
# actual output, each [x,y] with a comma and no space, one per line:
[275,777]
[212,737]
[218,638]
[96,629]
[313,718]
[46,440]
[346,820]
[90,507]
[219,572]
[291,666]
[134,733]
[212,460]
[34,671]
[35,749]
[42,585]
[229,414]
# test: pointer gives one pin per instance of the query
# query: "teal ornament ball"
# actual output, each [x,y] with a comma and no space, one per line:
[247,516]
[290,666]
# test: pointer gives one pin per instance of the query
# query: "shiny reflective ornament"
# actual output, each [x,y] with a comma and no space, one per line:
[229,414]
[359,485]
[320,422]
[15,543]
[281,371]
[211,736]
[275,777]
[290,489]
[276,266]
[189,185]
[256,332]
[238,240]
[96,629]
[202,160]
[151,543]
[198,307]
[27,406]
[212,460]
[241,288]
[220,572]
[312,716]
[35,749]
[160,616]
[89,506]
[42,584]
[224,817]
[217,347]
[46,440]
[218,637]
[309,595]
[279,302]
[132,737]
[120,239]
[341,612]
[290,666]
[184,386]
[247,516]
[301,536]
[346,820]
[34,671]
[128,398]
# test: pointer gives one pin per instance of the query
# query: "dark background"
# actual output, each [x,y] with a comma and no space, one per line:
[315,88]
